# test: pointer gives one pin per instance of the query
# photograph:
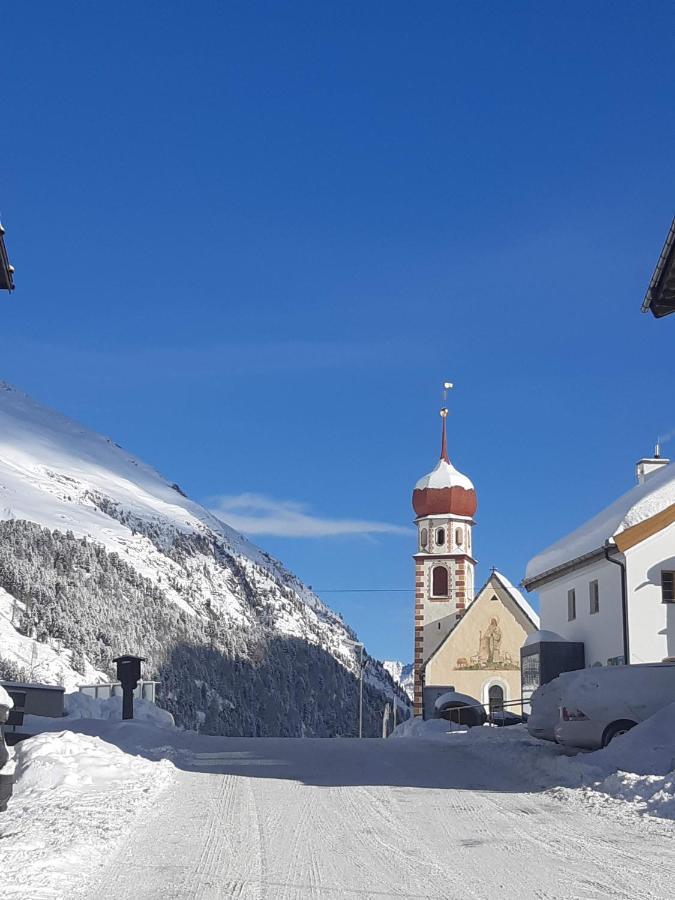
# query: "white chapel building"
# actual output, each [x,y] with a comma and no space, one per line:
[611,583]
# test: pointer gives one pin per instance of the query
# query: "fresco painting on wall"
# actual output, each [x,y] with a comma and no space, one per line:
[490,654]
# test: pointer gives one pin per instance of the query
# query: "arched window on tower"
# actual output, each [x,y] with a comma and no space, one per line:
[424,538]
[440,536]
[458,537]
[439,581]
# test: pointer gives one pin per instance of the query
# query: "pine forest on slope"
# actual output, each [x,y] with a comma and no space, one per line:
[99,555]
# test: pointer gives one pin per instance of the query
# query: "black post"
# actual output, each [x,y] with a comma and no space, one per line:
[127,701]
[128,674]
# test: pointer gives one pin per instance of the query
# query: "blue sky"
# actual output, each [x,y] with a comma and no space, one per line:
[252,239]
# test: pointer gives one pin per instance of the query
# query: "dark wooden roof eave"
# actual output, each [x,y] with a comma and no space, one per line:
[6,280]
[660,296]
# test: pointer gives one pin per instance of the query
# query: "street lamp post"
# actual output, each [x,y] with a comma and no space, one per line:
[359,644]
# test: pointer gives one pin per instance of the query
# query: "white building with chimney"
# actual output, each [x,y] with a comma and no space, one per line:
[611,583]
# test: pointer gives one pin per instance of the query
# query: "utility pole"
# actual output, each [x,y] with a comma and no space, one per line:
[361,693]
[359,644]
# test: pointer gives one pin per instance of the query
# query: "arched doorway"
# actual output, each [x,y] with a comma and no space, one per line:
[496,698]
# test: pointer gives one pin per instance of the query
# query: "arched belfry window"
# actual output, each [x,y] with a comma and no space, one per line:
[459,537]
[439,581]
[424,537]
[440,536]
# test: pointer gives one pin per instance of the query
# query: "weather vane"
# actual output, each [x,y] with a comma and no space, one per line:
[447,385]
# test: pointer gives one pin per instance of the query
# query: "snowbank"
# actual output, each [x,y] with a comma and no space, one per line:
[74,798]
[637,768]
[5,699]
[431,730]
[79,706]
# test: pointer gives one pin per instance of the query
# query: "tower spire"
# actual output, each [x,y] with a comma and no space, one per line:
[444,437]
[447,385]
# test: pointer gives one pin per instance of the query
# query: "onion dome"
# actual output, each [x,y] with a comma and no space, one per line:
[445,491]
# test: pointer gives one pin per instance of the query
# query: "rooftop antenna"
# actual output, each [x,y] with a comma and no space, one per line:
[447,385]
[657,450]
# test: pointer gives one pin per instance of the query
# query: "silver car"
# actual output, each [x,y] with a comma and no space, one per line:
[545,707]
[602,703]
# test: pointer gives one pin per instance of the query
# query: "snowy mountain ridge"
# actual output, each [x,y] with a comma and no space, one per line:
[118,559]
[402,673]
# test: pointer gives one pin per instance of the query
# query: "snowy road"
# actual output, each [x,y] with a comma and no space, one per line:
[285,819]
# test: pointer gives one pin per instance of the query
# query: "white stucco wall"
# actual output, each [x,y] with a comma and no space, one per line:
[651,622]
[602,632]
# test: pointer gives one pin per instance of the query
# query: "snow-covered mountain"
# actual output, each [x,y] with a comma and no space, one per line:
[100,555]
[401,673]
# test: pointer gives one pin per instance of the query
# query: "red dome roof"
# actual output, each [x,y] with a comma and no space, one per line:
[445,491]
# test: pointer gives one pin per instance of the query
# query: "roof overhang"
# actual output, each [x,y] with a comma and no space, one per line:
[660,296]
[629,537]
[6,270]
[536,581]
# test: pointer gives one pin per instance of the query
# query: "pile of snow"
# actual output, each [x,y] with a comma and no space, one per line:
[637,768]
[79,706]
[5,699]
[430,730]
[635,506]
[82,706]
[634,775]
[543,636]
[74,799]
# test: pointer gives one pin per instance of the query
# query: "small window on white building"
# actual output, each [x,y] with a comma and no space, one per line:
[594,592]
[571,605]
[440,536]
[668,587]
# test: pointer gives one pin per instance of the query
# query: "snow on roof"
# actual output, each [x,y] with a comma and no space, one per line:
[543,637]
[455,697]
[443,476]
[640,503]
[518,597]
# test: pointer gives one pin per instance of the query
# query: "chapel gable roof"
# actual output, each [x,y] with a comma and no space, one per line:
[510,597]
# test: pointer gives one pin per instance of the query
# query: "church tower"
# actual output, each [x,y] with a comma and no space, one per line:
[445,503]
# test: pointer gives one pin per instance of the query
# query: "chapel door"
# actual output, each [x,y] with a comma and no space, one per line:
[496,698]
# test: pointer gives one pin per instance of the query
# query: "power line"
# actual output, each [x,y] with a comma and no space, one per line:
[361,590]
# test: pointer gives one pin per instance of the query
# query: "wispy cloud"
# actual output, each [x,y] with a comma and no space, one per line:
[219,359]
[257,514]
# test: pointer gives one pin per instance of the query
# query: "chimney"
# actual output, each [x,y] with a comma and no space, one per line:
[645,468]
